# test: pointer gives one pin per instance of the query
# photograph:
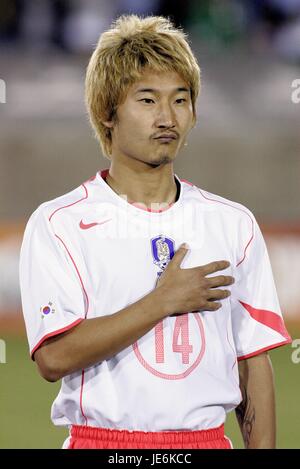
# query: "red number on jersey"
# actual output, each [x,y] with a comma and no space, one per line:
[159,343]
[181,328]
[185,348]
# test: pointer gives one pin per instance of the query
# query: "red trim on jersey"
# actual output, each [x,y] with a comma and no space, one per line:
[267,318]
[78,273]
[82,285]
[104,173]
[248,244]
[241,210]
[269,347]
[54,333]
[187,182]
[86,312]
[232,348]
[147,209]
[73,203]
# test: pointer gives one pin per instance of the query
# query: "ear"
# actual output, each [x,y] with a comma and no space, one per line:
[108,124]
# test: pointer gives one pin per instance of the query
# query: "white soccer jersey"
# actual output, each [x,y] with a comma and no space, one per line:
[91,253]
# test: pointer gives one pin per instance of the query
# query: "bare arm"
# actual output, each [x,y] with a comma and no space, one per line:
[97,339]
[94,340]
[256,412]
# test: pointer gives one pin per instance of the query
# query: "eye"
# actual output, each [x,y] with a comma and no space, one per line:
[180,100]
[147,100]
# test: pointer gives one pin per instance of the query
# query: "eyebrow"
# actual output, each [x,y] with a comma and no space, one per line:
[153,90]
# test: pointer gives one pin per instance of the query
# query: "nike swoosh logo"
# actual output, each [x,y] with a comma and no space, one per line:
[86,226]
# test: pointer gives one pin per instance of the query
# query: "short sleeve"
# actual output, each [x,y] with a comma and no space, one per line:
[52,297]
[256,316]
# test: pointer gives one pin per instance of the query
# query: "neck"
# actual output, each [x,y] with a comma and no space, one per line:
[143,183]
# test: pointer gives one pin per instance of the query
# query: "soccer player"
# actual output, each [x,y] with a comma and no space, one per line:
[152,299]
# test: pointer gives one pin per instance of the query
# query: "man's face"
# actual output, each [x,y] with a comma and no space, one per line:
[154,120]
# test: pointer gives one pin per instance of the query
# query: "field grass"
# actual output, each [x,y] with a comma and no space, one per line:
[25,401]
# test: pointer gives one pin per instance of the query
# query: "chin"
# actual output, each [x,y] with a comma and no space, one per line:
[161,160]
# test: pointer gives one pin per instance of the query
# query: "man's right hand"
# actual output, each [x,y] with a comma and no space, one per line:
[100,338]
[186,290]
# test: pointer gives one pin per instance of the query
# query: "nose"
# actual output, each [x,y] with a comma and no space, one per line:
[165,116]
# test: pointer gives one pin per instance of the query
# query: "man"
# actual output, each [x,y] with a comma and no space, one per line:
[144,330]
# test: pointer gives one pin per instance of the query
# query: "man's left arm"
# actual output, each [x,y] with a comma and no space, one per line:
[256,412]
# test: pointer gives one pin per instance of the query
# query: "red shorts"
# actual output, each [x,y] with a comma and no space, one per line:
[83,437]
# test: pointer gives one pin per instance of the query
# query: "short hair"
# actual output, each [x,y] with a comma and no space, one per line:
[121,55]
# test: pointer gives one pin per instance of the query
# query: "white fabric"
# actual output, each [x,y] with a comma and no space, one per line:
[189,379]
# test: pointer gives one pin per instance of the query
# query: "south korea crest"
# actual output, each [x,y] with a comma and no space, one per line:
[162,251]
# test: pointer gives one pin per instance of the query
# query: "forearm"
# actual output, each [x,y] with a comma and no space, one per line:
[256,413]
[98,339]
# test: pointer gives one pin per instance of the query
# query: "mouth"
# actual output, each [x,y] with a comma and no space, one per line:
[165,139]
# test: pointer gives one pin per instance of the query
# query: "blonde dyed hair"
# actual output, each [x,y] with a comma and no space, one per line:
[122,54]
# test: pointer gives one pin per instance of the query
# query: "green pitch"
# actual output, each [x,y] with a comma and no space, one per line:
[26,400]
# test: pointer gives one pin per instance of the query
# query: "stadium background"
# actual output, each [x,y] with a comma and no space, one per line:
[245,147]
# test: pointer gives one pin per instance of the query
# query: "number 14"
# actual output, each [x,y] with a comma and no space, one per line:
[181,328]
